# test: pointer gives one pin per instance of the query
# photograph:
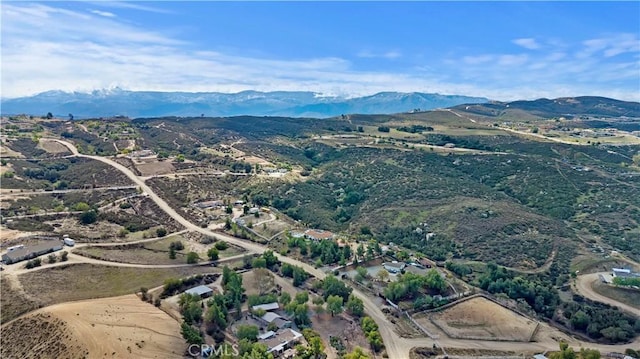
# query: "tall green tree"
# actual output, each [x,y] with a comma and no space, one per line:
[334,304]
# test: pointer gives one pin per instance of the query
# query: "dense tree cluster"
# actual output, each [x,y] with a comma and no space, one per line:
[599,321]
[410,285]
[332,286]
[539,295]
[370,329]
[234,292]
[298,274]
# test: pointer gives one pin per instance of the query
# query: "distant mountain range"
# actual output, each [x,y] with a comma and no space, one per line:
[118,102]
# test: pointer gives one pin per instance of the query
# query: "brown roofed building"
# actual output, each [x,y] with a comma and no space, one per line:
[318,234]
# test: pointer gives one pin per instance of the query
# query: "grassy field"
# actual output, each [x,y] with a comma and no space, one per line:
[87,281]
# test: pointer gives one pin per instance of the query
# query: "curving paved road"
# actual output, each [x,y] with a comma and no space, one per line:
[396,346]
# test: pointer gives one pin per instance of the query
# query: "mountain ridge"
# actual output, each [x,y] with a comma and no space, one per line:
[118,102]
[562,106]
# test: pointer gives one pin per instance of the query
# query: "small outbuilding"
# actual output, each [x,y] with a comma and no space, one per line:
[266,307]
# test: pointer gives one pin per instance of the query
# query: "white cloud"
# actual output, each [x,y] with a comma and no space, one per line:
[527,43]
[84,51]
[610,46]
[386,55]
[130,5]
[103,13]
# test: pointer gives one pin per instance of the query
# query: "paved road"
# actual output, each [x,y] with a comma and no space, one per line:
[396,346]
[583,286]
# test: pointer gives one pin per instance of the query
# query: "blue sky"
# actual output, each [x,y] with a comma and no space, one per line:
[500,50]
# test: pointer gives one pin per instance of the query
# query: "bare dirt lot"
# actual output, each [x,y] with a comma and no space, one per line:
[120,327]
[53,147]
[152,168]
[480,318]
[255,160]
[269,228]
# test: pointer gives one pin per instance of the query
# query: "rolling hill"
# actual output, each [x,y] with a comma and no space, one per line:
[565,107]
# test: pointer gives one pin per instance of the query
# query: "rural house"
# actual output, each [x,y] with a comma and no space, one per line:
[278,342]
[318,234]
[29,252]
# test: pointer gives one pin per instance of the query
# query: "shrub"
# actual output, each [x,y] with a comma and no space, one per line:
[192,257]
[89,217]
[33,263]
[221,245]
[125,205]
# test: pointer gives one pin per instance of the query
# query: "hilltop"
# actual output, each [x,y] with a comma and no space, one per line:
[565,107]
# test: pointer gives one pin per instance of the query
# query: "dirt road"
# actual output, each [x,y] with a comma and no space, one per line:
[583,286]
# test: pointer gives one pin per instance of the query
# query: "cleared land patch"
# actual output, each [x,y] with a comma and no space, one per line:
[85,281]
[481,319]
[53,147]
[155,168]
[153,252]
